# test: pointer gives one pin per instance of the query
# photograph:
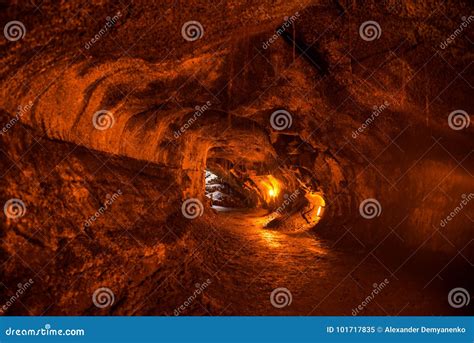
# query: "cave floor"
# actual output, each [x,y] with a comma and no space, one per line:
[247,262]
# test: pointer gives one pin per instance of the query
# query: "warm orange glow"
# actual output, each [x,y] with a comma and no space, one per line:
[272,239]
[318,202]
[270,186]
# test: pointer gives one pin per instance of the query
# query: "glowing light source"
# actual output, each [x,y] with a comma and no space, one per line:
[319,204]
[269,185]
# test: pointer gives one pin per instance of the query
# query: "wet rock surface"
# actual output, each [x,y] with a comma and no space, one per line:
[114,133]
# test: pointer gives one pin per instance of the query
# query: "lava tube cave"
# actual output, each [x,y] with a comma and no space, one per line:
[141,162]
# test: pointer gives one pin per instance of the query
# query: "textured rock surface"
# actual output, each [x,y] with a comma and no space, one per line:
[150,81]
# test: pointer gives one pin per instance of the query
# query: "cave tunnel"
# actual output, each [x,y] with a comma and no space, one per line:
[279,169]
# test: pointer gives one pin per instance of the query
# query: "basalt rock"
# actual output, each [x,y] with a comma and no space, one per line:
[139,109]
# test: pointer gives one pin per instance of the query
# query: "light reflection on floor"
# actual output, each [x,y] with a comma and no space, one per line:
[270,238]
